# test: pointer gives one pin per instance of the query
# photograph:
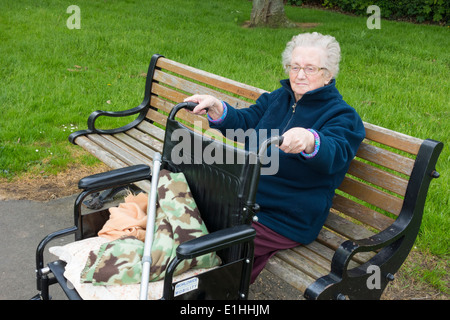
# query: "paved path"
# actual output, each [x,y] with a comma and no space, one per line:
[24,223]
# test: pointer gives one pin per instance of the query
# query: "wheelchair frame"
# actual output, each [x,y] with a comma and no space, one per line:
[227,213]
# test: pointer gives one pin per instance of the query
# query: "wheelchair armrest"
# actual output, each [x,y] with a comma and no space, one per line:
[215,241]
[115,177]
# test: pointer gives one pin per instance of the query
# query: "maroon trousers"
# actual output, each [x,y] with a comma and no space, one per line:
[267,243]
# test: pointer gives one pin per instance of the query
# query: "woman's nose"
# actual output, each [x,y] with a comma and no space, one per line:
[301,74]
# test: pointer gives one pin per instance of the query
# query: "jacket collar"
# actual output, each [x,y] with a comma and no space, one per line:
[325,92]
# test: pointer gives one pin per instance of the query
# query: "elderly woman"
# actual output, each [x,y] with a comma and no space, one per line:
[321,136]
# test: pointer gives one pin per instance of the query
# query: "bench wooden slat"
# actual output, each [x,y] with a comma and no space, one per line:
[343,229]
[288,273]
[329,239]
[372,195]
[361,213]
[211,79]
[392,138]
[333,241]
[111,144]
[301,263]
[157,117]
[168,93]
[192,88]
[106,157]
[323,252]
[143,137]
[385,158]
[175,96]
[378,177]
[166,106]
[152,130]
[307,262]
[159,103]
[320,249]
[197,123]
[346,228]
[136,150]
[140,148]
[101,154]
[313,256]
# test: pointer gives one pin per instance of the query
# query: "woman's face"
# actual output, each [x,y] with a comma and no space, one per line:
[301,82]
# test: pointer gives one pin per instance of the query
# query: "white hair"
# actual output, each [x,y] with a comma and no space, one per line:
[329,45]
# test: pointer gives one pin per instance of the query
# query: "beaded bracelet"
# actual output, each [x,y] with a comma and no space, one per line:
[224,114]
[316,145]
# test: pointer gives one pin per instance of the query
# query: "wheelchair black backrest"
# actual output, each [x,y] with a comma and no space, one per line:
[223,179]
[224,190]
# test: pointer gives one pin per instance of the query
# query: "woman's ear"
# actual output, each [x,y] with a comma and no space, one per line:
[327,77]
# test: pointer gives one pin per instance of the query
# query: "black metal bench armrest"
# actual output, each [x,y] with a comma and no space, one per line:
[410,217]
[215,241]
[388,241]
[349,248]
[115,177]
[393,243]
[142,110]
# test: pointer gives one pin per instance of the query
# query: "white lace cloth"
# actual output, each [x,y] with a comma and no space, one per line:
[75,254]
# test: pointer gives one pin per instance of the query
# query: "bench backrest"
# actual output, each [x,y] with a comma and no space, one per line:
[372,194]
[173,82]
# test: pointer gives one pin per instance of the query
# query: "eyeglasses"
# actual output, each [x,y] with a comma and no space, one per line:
[308,70]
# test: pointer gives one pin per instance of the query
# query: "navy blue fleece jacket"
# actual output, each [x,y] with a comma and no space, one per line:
[295,201]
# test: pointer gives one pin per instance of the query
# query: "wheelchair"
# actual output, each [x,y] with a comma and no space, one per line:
[224,192]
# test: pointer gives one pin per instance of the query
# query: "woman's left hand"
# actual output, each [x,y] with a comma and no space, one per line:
[297,140]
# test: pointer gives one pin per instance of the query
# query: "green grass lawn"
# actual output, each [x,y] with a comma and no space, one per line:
[52,77]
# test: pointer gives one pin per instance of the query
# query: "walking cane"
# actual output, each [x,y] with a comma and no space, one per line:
[150,229]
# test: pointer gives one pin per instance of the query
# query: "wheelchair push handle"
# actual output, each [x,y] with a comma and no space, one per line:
[183,105]
[277,140]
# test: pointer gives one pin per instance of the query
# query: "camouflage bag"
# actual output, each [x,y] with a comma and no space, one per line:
[177,220]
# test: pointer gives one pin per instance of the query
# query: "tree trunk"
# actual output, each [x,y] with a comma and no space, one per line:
[269,13]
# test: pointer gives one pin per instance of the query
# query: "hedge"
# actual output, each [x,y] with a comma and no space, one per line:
[435,11]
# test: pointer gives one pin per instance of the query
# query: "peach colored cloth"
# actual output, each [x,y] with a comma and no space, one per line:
[128,219]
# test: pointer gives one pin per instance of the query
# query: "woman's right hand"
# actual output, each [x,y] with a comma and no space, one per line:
[214,105]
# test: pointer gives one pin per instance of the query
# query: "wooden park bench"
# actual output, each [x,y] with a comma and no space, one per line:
[376,212]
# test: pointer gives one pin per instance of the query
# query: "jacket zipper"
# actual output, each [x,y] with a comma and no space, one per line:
[292,115]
